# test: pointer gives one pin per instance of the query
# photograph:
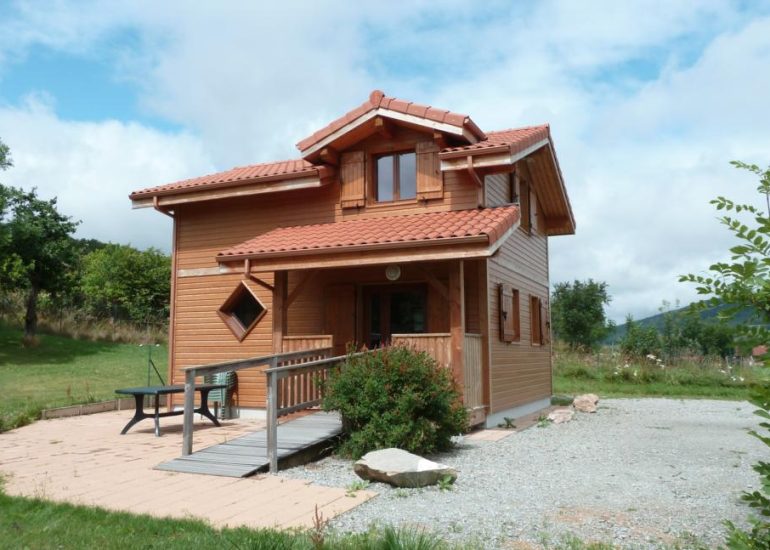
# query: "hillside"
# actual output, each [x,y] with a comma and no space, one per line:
[747,315]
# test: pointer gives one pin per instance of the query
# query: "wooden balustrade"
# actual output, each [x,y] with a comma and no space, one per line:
[279,360]
[437,345]
[305,342]
[474,385]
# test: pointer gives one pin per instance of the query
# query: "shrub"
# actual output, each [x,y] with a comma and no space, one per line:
[395,397]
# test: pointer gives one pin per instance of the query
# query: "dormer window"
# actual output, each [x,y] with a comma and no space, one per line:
[396,177]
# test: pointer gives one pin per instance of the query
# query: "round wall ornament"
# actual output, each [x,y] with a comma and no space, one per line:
[393,272]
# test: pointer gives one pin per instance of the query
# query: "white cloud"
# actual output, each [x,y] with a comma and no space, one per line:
[92,167]
[642,152]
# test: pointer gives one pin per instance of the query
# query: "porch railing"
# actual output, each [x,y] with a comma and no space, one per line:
[474,386]
[291,358]
[301,343]
[438,345]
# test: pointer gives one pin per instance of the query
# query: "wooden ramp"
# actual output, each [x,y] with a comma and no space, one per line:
[247,454]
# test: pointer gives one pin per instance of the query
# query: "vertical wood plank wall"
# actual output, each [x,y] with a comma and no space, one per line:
[520,373]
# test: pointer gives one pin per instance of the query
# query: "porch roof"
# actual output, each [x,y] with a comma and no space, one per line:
[483,227]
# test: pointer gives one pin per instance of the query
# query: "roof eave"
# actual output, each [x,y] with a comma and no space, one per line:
[424,243]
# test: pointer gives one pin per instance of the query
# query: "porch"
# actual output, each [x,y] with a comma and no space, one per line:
[440,308]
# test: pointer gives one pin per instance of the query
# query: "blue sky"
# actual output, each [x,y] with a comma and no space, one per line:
[648,101]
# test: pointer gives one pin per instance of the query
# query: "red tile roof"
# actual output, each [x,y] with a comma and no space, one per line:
[377,100]
[427,227]
[515,139]
[254,172]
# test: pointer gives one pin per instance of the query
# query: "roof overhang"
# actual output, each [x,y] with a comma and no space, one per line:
[311,179]
[543,166]
[376,254]
[463,132]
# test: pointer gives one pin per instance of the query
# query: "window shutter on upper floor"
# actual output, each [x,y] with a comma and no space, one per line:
[352,179]
[430,184]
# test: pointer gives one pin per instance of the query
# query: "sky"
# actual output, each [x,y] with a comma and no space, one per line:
[648,101]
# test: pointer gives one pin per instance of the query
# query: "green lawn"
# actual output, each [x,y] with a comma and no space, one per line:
[62,371]
[32,523]
[608,374]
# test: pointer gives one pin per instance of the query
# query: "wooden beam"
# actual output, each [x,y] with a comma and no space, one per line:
[440,140]
[247,274]
[434,282]
[329,155]
[457,320]
[473,172]
[306,277]
[280,283]
[383,127]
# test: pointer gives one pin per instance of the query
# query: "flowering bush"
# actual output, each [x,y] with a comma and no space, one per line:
[395,397]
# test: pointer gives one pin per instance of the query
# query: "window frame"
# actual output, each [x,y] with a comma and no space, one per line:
[226,312]
[396,166]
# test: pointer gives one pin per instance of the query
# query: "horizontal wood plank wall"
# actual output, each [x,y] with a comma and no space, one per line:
[203,230]
[497,189]
[202,338]
[519,372]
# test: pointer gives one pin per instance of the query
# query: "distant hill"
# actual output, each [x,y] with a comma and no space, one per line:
[747,315]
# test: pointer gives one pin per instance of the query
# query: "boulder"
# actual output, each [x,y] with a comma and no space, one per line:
[559,416]
[586,403]
[401,468]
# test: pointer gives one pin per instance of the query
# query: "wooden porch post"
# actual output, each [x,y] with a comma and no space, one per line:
[272,417]
[457,320]
[189,406]
[280,287]
[483,292]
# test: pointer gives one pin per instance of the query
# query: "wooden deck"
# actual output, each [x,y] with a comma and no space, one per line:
[246,455]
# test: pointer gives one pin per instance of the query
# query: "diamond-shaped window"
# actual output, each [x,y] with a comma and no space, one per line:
[242,311]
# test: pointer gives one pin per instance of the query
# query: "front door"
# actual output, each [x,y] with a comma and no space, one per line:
[393,309]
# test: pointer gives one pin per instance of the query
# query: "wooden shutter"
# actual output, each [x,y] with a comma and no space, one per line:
[536,320]
[505,301]
[352,179]
[430,184]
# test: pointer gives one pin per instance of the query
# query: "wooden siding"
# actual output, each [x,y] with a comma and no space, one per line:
[519,371]
[203,229]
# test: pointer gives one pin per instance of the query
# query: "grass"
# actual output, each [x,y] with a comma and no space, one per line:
[609,374]
[35,523]
[61,371]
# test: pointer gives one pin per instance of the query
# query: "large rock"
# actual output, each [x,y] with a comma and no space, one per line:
[586,403]
[559,416]
[401,468]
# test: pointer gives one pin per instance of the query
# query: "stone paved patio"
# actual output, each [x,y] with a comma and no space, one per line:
[84,460]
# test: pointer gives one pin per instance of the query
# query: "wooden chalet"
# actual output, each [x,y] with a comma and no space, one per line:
[399,223]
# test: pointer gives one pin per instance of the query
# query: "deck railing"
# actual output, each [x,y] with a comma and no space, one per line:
[291,358]
[292,388]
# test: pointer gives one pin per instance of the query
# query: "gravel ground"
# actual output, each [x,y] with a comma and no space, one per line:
[640,473]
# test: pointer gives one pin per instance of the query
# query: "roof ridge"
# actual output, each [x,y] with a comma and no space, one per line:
[519,128]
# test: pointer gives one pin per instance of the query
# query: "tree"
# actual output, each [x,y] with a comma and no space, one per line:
[639,340]
[577,313]
[35,248]
[744,281]
[122,282]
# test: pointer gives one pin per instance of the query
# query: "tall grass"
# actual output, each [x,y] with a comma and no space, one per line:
[608,372]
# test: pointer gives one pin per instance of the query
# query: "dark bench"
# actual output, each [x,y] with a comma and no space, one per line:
[141,392]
